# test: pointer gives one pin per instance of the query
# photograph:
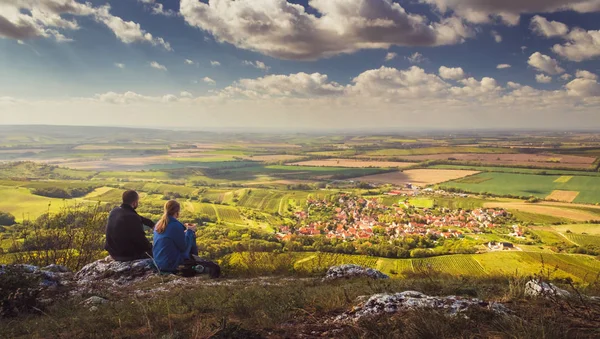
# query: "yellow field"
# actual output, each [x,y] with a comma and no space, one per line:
[566,196]
[421,177]
[563,179]
[352,163]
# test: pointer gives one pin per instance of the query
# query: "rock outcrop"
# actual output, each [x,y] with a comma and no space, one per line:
[50,276]
[379,304]
[115,272]
[537,288]
[352,271]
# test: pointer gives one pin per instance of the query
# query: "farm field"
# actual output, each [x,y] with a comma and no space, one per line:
[577,267]
[503,169]
[436,150]
[352,163]
[592,229]
[421,177]
[536,160]
[559,213]
[540,186]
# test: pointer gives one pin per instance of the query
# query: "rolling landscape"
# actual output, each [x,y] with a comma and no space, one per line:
[263,185]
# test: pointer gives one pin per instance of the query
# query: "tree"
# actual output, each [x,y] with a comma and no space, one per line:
[6,219]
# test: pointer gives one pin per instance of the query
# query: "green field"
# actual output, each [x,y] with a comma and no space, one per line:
[26,206]
[529,185]
[577,267]
[515,170]
[584,239]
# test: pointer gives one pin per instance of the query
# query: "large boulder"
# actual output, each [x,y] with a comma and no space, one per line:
[379,304]
[537,288]
[352,271]
[115,272]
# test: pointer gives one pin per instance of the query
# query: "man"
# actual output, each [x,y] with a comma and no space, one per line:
[125,236]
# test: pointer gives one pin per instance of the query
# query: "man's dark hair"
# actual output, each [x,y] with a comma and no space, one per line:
[129,197]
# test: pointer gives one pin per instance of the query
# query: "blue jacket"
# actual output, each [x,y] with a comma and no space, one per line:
[172,246]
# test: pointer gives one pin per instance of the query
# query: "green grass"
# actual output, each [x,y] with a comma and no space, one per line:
[268,201]
[24,205]
[229,214]
[421,202]
[529,185]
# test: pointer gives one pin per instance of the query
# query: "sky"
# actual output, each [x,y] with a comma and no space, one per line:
[301,65]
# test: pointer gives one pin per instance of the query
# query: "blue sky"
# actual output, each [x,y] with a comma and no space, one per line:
[46,80]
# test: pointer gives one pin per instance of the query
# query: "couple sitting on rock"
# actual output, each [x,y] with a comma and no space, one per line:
[174,250]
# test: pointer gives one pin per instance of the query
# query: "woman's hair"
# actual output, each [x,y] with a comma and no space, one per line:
[172,207]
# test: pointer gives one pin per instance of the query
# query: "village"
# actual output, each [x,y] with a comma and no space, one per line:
[352,217]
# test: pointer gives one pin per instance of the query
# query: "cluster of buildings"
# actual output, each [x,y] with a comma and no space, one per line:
[351,217]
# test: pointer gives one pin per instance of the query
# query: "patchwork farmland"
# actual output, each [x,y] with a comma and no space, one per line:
[581,189]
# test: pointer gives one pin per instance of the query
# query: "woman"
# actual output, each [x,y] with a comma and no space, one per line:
[175,244]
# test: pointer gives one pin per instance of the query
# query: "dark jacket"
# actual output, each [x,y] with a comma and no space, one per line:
[125,236]
[173,246]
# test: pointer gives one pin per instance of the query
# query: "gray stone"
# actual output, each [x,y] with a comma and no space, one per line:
[379,304]
[115,272]
[95,300]
[537,288]
[352,271]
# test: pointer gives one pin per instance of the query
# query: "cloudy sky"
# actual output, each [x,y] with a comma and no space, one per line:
[301,64]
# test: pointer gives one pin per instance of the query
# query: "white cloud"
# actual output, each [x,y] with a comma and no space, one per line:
[209,81]
[393,84]
[503,66]
[543,79]
[215,63]
[582,87]
[509,11]
[189,62]
[157,8]
[127,31]
[401,98]
[158,66]
[286,30]
[119,65]
[546,28]
[257,64]
[523,48]
[293,85]
[416,58]
[545,63]
[497,37]
[186,94]
[27,19]
[451,73]
[583,74]
[390,56]
[566,77]
[581,45]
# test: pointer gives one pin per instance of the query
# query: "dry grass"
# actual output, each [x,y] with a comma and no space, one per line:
[566,196]
[352,163]
[421,177]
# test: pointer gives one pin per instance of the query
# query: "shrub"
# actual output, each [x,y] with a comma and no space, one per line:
[6,219]
[72,237]
[19,291]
